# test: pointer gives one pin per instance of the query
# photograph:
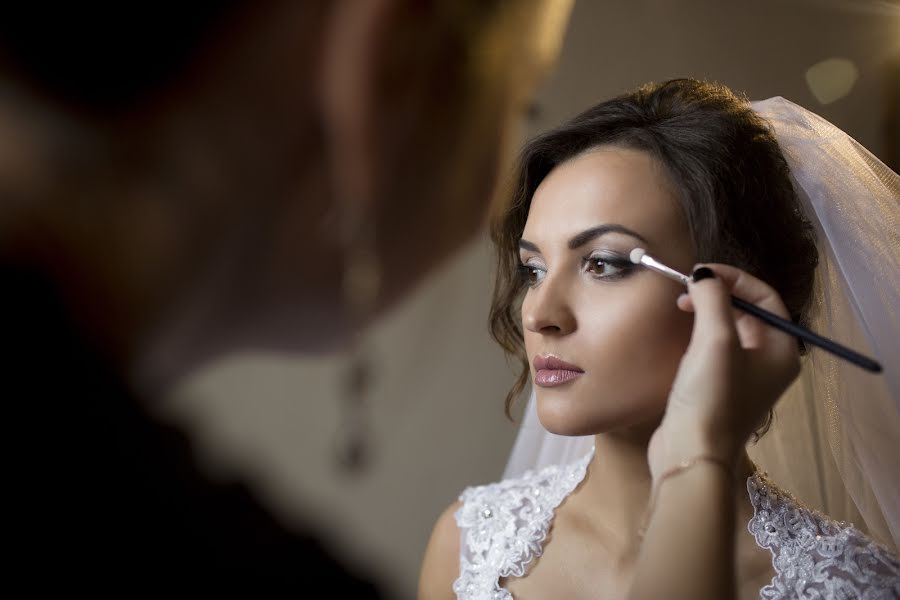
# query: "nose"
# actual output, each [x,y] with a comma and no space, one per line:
[546,310]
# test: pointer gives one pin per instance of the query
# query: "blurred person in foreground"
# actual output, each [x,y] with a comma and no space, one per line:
[180,181]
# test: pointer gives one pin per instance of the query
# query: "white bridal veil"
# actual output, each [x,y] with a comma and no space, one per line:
[835,440]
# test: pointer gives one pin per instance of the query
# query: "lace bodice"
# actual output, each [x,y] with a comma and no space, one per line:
[503,527]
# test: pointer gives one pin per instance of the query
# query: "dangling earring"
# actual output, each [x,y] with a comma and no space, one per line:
[360,286]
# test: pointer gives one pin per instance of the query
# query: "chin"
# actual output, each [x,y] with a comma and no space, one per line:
[568,415]
[560,415]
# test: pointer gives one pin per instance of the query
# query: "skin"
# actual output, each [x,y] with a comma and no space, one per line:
[209,218]
[607,319]
[614,329]
[660,385]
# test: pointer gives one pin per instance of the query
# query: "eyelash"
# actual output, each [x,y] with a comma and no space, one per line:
[613,260]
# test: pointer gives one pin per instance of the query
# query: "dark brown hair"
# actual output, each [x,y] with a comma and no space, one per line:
[732,182]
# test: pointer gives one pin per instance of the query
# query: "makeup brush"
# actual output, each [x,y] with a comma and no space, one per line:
[639,256]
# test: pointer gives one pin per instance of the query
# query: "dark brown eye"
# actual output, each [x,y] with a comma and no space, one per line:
[531,275]
[604,268]
[597,266]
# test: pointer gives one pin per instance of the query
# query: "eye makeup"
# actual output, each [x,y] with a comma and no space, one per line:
[600,265]
[621,265]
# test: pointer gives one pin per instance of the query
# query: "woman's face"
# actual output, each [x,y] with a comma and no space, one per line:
[588,306]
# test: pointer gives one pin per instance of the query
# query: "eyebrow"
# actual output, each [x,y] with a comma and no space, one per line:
[587,235]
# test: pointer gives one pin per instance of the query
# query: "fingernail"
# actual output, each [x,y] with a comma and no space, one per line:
[703,273]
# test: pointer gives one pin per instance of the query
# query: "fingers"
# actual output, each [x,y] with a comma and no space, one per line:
[713,319]
[747,287]
[732,354]
[742,285]
[751,332]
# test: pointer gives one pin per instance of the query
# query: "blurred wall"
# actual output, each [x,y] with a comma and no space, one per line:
[440,382]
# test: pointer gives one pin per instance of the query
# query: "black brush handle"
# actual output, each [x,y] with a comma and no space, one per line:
[807,336]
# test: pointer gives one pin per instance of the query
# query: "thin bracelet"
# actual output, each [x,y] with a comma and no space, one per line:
[675,470]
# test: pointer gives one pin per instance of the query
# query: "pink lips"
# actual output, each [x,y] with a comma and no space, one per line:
[551,371]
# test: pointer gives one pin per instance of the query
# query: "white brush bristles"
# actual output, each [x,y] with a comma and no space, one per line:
[636,255]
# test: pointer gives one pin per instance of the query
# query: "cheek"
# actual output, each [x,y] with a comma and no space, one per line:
[634,349]
[630,342]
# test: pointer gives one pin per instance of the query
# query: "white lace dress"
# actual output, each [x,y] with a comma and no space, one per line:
[503,526]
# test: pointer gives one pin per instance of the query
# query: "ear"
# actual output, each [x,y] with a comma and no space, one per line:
[352,46]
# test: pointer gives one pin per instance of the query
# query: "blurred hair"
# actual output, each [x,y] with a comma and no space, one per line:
[106,58]
[101,56]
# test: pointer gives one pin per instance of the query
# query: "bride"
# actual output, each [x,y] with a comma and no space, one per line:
[667,385]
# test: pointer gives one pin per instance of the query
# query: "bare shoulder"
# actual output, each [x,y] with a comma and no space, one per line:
[440,566]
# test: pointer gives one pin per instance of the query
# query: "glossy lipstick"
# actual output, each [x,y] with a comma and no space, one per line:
[550,371]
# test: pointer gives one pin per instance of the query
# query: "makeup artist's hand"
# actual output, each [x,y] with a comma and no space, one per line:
[734,370]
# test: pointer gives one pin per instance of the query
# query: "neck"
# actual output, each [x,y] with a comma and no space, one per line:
[616,489]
